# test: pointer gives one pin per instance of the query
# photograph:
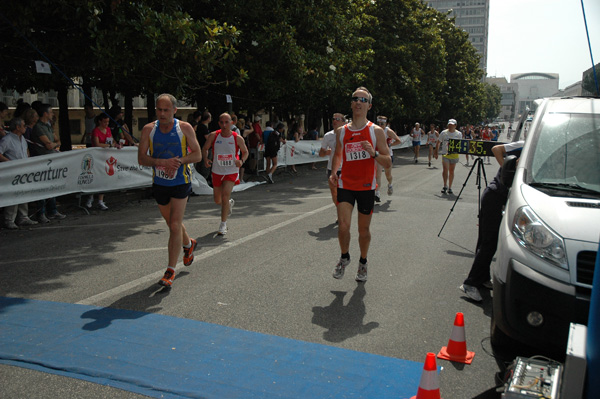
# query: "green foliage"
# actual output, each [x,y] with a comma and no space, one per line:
[287,56]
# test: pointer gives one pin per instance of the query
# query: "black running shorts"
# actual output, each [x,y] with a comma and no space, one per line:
[365,200]
[163,194]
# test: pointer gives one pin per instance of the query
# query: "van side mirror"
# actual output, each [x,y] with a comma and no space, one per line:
[509,167]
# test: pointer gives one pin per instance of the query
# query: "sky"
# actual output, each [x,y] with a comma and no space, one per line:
[543,36]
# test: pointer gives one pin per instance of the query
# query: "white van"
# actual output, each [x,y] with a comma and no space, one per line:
[551,227]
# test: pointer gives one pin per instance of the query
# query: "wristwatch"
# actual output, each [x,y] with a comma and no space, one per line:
[376,155]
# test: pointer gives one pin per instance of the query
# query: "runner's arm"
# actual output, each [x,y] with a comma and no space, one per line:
[242,146]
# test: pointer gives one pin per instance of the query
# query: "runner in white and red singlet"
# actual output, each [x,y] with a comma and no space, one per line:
[360,146]
[226,146]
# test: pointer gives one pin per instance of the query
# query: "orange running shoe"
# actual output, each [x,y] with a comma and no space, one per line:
[188,253]
[167,279]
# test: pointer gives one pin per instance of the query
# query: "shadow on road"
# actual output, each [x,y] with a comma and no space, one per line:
[343,322]
[137,305]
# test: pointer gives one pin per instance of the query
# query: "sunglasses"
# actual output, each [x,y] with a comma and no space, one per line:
[337,119]
[360,99]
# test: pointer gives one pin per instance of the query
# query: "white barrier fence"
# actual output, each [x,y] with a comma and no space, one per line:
[96,170]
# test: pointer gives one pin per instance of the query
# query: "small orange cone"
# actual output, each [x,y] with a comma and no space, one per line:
[429,387]
[456,351]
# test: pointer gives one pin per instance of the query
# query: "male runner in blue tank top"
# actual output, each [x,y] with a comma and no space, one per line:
[170,147]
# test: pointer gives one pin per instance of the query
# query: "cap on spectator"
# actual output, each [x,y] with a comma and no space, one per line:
[452,122]
[256,118]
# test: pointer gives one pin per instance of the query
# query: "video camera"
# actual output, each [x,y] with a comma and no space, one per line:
[477,148]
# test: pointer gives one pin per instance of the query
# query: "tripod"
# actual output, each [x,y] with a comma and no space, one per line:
[480,171]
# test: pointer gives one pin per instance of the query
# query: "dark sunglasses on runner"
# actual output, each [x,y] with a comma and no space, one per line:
[335,118]
[360,99]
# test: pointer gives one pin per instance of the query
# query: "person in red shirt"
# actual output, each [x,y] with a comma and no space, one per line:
[361,144]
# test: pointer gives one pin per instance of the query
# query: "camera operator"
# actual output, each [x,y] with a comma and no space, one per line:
[493,200]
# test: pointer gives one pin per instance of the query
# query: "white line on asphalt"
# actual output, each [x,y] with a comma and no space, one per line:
[156,275]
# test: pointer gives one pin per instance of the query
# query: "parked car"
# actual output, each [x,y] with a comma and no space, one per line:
[549,235]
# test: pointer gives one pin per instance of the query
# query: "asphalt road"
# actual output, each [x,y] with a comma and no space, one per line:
[272,272]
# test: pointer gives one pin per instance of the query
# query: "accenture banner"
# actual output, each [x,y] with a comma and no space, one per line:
[78,171]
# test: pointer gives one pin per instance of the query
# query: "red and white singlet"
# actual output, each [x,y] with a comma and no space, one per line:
[358,168]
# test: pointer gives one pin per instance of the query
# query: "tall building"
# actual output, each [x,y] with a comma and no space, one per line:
[473,17]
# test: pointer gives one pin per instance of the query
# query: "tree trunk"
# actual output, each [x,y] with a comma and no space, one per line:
[64,126]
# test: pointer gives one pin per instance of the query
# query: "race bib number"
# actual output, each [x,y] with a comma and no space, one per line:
[356,152]
[225,160]
[162,173]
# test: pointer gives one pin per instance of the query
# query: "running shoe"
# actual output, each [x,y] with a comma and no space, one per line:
[10,225]
[57,215]
[43,219]
[270,179]
[231,204]
[390,189]
[26,222]
[361,274]
[377,197]
[89,202]
[102,206]
[444,190]
[450,191]
[338,271]
[167,279]
[472,292]
[429,163]
[416,160]
[188,253]
[222,229]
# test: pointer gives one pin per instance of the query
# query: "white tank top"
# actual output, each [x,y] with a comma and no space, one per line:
[225,152]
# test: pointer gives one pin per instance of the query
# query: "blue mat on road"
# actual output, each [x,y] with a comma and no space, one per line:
[169,357]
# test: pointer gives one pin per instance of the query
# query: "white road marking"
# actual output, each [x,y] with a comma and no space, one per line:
[157,275]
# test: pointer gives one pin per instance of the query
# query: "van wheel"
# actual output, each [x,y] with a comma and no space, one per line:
[497,337]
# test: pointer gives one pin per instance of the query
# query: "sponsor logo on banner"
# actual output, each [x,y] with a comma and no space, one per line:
[86,176]
[110,166]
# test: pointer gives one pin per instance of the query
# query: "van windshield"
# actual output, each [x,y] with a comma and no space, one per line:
[567,154]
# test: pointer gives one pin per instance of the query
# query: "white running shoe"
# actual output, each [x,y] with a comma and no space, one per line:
[390,189]
[222,229]
[102,206]
[361,274]
[231,204]
[89,202]
[338,271]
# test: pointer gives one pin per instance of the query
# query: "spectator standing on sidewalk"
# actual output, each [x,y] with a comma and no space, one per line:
[101,137]
[164,146]
[14,146]
[47,143]
[226,162]
[360,147]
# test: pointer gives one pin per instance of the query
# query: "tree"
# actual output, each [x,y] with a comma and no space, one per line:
[493,97]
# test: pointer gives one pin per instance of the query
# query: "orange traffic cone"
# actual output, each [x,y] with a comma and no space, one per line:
[456,350]
[429,387]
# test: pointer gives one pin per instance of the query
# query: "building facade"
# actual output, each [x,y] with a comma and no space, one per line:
[509,97]
[473,17]
[532,86]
